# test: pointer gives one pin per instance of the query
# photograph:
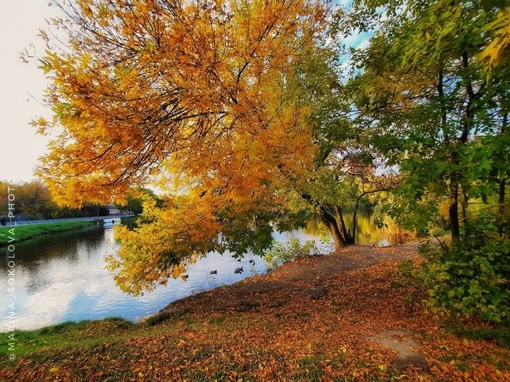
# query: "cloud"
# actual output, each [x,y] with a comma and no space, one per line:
[359,40]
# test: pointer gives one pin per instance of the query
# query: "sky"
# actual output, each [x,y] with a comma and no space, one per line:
[21,87]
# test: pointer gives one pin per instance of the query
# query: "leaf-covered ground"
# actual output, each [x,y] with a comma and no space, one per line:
[354,315]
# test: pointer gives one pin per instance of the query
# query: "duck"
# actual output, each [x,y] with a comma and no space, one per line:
[215,272]
[239,270]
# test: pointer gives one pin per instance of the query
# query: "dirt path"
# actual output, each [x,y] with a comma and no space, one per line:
[318,268]
[306,276]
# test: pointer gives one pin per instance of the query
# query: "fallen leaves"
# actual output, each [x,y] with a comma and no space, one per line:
[286,335]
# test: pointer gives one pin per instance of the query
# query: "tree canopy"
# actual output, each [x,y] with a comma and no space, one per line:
[241,113]
[431,93]
[200,98]
[425,101]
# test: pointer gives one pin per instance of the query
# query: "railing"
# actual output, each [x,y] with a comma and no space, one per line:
[89,218]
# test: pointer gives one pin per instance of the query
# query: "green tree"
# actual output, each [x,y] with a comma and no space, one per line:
[423,98]
[347,171]
[136,197]
[345,181]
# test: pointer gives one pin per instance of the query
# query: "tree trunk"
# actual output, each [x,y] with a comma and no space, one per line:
[341,223]
[463,207]
[336,230]
[501,202]
[502,186]
[332,225]
[453,212]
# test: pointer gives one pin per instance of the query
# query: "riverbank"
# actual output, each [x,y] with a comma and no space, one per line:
[15,234]
[355,315]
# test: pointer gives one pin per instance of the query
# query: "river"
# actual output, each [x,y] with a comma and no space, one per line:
[62,277]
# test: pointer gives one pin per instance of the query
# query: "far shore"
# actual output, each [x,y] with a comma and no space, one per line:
[11,234]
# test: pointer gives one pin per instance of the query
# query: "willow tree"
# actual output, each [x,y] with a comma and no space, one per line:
[197,98]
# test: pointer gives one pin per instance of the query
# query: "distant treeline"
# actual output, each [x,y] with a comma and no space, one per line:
[32,201]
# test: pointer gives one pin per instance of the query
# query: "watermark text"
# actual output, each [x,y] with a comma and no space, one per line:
[10,259]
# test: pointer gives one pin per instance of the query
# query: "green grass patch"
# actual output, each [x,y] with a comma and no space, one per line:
[497,333]
[157,318]
[14,234]
[74,334]
[310,369]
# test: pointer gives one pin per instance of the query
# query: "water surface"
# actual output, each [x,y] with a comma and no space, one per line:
[62,278]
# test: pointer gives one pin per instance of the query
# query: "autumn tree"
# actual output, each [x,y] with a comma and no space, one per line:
[4,207]
[498,52]
[33,199]
[30,198]
[198,98]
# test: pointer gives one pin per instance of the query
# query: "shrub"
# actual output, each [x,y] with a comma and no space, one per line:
[281,253]
[470,278]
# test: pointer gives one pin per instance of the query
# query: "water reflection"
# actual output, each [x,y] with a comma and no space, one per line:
[63,278]
[367,233]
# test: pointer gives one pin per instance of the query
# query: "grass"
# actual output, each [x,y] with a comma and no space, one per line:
[68,334]
[499,333]
[14,234]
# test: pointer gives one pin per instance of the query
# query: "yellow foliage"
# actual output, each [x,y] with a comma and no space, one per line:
[198,98]
[496,52]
